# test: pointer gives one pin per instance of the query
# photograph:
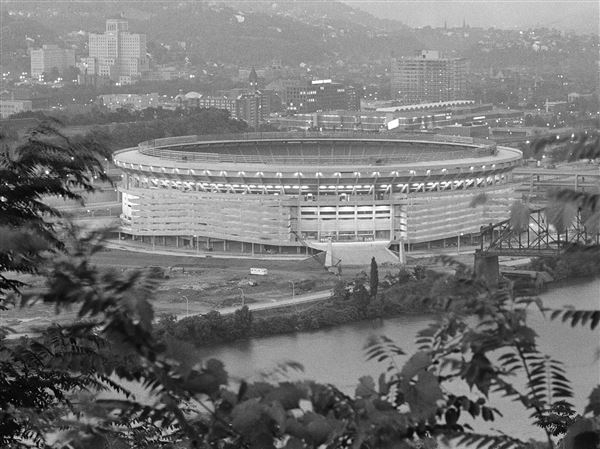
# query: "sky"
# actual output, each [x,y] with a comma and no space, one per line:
[572,15]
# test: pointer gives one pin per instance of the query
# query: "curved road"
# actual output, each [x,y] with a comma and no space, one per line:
[287,302]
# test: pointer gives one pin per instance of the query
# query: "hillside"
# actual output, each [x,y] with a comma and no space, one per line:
[241,32]
[330,12]
[249,32]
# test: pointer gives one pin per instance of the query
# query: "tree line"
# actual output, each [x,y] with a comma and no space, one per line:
[122,129]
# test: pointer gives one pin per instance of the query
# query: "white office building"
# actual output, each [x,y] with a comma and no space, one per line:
[117,53]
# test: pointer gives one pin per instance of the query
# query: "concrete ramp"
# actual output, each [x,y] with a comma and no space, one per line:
[356,253]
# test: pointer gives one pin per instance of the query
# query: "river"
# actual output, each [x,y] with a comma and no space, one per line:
[336,355]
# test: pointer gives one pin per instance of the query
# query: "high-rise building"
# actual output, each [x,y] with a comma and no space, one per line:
[117,53]
[353,98]
[51,57]
[253,107]
[429,78]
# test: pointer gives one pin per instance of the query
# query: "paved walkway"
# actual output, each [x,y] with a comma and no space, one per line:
[138,248]
[453,252]
[357,253]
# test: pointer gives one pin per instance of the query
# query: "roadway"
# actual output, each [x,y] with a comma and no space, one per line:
[276,304]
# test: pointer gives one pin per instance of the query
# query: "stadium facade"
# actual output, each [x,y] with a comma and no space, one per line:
[290,192]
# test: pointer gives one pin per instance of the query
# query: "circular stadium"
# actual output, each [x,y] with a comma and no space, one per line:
[293,193]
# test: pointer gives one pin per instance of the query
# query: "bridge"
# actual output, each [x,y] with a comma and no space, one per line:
[536,181]
[539,238]
[536,238]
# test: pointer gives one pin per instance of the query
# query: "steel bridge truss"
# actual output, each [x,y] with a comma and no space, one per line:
[539,238]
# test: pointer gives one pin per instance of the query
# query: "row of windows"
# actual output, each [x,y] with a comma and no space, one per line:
[313,191]
[348,213]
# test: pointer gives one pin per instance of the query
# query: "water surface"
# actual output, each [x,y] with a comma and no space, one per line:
[336,355]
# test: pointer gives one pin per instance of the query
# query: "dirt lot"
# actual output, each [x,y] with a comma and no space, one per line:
[210,283]
[207,283]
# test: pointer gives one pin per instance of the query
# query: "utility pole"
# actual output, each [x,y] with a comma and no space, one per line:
[187,306]
[458,238]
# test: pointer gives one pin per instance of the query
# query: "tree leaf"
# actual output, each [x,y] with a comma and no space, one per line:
[422,397]
[418,362]
[294,443]
[366,387]
[593,405]
[287,394]
[319,429]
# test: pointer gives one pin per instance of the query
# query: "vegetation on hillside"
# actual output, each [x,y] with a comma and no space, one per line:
[193,122]
[122,129]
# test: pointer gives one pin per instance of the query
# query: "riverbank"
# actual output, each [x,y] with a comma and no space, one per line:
[336,355]
[410,291]
[576,263]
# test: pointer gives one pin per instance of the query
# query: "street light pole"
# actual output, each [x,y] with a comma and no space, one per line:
[243,297]
[458,238]
[293,292]
[187,306]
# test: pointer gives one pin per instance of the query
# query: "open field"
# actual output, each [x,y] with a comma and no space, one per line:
[207,283]
[212,283]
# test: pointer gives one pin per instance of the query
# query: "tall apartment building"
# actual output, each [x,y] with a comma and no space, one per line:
[353,98]
[116,54]
[51,57]
[253,107]
[428,78]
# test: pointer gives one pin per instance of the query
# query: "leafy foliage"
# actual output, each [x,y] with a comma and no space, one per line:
[574,146]
[46,164]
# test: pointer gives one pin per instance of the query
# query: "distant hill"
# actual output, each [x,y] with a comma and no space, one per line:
[566,15]
[238,32]
[228,34]
[251,32]
[327,12]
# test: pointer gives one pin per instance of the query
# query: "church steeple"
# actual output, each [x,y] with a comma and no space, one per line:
[253,80]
